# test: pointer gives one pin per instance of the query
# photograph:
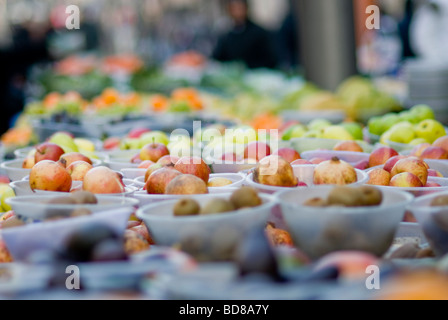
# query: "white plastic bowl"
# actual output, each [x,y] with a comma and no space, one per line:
[146,198]
[319,231]
[424,213]
[305,173]
[14,170]
[168,230]
[22,188]
[51,235]
[38,208]
[23,152]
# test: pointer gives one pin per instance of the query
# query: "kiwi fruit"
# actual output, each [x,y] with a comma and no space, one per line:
[315,202]
[62,200]
[79,212]
[345,196]
[186,207]
[440,201]
[84,197]
[217,206]
[245,197]
[372,196]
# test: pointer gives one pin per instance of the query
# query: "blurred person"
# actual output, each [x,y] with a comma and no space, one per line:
[246,41]
[404,30]
[28,46]
[288,40]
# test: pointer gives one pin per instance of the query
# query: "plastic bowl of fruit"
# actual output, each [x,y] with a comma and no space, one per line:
[41,207]
[305,175]
[23,188]
[14,170]
[219,166]
[324,219]
[22,241]
[431,213]
[204,226]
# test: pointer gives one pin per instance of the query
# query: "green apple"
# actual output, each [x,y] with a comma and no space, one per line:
[337,132]
[385,137]
[409,116]
[422,112]
[430,130]
[313,134]
[295,131]
[389,120]
[355,129]
[319,124]
[84,144]
[130,144]
[6,192]
[242,135]
[154,137]
[417,141]
[65,141]
[402,132]
[375,125]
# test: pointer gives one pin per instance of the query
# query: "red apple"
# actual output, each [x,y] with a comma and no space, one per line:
[229,157]
[432,185]
[28,162]
[68,158]
[103,180]
[434,173]
[412,165]
[418,149]
[145,164]
[137,132]
[256,150]
[441,142]
[168,160]
[153,151]
[48,151]
[362,165]
[151,169]
[48,175]
[159,179]
[78,170]
[379,177]
[4,179]
[300,162]
[111,143]
[137,160]
[391,162]
[186,184]
[195,166]
[437,153]
[406,180]
[379,156]
[317,160]
[351,146]
[289,154]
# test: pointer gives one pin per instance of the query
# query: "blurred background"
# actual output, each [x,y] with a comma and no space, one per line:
[320,42]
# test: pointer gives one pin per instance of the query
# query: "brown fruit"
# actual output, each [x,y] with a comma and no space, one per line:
[372,196]
[440,201]
[335,171]
[79,212]
[186,184]
[84,197]
[217,205]
[315,202]
[406,251]
[275,171]
[186,207]
[425,253]
[245,197]
[62,200]
[345,196]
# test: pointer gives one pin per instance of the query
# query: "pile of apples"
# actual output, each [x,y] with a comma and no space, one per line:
[55,170]
[392,169]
